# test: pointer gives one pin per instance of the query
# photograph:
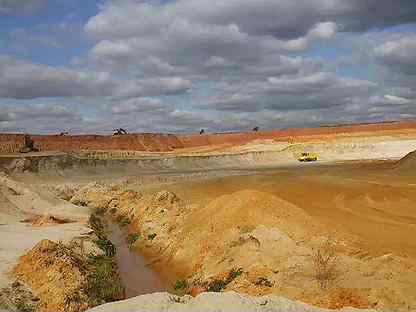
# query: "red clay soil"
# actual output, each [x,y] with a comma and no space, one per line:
[139,142]
[300,134]
[12,143]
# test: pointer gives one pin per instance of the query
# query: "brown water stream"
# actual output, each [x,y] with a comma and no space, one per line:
[138,278]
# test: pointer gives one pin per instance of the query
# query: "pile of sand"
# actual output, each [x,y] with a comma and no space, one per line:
[54,276]
[63,279]
[246,210]
[408,162]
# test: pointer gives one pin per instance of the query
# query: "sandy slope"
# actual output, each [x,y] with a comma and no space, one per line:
[209,302]
[270,225]
[19,201]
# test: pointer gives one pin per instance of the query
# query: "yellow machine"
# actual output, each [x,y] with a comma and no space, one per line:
[307,157]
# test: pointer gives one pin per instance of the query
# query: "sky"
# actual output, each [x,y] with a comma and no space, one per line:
[89,66]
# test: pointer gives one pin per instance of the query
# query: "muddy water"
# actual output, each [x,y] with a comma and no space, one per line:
[138,278]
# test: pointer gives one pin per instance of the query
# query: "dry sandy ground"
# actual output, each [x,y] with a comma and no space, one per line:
[19,202]
[209,302]
[272,226]
[269,224]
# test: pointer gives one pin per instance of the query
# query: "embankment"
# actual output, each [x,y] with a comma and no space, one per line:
[157,142]
[153,142]
[130,162]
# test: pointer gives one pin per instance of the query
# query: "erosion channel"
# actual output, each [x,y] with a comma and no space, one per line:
[137,276]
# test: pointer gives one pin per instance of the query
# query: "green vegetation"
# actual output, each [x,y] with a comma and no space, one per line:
[233,274]
[151,236]
[218,285]
[105,245]
[262,281]
[104,283]
[124,222]
[180,287]
[132,239]
[102,241]
[113,210]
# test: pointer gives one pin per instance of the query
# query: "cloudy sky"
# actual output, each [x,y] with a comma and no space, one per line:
[88,66]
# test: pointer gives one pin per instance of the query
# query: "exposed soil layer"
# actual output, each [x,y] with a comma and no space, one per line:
[12,143]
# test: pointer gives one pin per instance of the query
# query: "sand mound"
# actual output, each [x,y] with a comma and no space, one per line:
[229,301]
[246,210]
[65,280]
[408,161]
[52,274]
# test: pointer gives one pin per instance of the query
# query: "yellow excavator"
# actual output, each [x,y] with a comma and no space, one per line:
[307,157]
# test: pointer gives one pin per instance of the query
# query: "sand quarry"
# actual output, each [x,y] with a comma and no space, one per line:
[238,225]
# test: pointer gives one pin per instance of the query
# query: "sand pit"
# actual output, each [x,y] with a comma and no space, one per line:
[245,218]
[201,231]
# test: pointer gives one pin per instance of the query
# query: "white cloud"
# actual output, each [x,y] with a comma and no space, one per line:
[393,99]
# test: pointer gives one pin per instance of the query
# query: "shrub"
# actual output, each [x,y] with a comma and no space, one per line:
[104,282]
[107,246]
[262,281]
[217,285]
[132,239]
[97,226]
[180,287]
[124,222]
[233,274]
[325,261]
[151,236]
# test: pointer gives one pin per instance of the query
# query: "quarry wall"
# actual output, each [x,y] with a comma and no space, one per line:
[12,143]
[300,134]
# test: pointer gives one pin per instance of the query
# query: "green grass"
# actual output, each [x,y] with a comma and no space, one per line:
[132,239]
[107,246]
[233,274]
[104,283]
[124,222]
[180,287]
[151,236]
[219,285]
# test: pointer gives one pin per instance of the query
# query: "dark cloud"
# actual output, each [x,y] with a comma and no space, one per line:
[399,54]
[142,105]
[279,18]
[30,112]
[152,87]
[25,80]
[316,91]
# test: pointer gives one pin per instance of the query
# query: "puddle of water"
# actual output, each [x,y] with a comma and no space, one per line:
[136,276]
